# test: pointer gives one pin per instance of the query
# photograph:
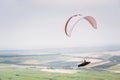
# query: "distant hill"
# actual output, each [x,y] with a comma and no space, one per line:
[61,50]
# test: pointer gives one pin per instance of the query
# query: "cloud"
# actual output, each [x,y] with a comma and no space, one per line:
[74,2]
[61,3]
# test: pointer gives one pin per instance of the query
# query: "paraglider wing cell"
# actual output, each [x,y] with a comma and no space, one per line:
[92,21]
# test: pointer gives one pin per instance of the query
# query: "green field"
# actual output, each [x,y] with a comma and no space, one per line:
[31,67]
[36,74]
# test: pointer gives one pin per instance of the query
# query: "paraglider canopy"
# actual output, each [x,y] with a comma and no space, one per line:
[68,28]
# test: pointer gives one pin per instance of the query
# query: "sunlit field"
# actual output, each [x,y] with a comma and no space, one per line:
[37,74]
[103,66]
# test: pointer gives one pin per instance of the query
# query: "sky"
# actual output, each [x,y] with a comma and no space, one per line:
[35,24]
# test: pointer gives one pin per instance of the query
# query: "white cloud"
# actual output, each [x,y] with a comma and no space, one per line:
[74,2]
[24,22]
[61,3]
